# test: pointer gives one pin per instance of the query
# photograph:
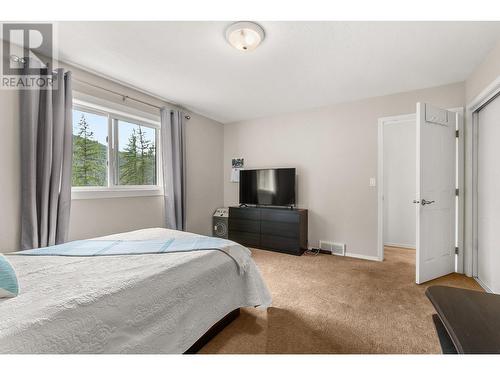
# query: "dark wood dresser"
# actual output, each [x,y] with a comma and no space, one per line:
[278,229]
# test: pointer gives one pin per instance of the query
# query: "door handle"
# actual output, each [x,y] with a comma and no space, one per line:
[424,202]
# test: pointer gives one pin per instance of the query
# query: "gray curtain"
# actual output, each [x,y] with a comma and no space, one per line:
[173,152]
[46,157]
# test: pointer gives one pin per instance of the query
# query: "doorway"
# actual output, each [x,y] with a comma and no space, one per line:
[398,181]
[420,156]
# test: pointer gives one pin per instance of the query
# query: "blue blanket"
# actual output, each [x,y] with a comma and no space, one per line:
[91,248]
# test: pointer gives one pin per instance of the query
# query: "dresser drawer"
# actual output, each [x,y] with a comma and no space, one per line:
[278,228]
[280,215]
[244,225]
[245,238]
[248,213]
[285,244]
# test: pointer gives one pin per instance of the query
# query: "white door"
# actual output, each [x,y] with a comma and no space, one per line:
[488,199]
[435,200]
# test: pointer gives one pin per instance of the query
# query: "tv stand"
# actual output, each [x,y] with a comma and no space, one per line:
[282,229]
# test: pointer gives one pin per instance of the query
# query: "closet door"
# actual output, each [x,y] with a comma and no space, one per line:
[488,196]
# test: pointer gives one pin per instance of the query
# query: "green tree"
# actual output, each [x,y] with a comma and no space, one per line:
[128,167]
[146,158]
[89,157]
[137,166]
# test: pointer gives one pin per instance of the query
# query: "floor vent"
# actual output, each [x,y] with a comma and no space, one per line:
[333,247]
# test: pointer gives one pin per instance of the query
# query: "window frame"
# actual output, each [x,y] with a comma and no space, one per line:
[114,190]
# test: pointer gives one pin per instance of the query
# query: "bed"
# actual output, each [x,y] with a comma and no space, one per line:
[146,303]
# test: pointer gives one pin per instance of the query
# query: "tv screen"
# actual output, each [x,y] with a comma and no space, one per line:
[275,187]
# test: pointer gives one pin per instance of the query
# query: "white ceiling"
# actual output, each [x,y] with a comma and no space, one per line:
[299,65]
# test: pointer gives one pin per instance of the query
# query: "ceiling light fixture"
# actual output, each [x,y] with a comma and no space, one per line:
[244,35]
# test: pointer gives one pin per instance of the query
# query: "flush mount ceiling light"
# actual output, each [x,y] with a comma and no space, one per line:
[245,36]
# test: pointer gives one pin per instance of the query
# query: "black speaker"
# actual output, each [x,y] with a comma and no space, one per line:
[220,223]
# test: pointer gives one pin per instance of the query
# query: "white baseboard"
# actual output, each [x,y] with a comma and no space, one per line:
[404,246]
[488,290]
[362,256]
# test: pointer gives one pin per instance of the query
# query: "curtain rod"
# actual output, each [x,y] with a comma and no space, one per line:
[23,61]
[187,117]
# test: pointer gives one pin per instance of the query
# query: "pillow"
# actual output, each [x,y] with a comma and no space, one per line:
[8,279]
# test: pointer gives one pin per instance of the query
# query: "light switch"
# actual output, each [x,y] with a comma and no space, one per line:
[373,182]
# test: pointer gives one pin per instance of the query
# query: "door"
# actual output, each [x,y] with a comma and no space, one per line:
[488,199]
[435,200]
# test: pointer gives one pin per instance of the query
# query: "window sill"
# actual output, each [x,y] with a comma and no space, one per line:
[104,193]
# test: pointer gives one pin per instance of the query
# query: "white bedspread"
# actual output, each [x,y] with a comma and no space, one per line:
[155,303]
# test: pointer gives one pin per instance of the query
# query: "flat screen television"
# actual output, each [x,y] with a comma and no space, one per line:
[273,187]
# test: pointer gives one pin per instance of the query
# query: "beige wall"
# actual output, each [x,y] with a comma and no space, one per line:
[484,74]
[95,217]
[205,155]
[98,217]
[335,152]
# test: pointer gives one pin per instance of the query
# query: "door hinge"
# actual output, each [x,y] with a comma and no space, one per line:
[457,133]
[456,250]
[457,191]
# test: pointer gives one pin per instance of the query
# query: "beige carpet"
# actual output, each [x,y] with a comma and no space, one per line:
[331,304]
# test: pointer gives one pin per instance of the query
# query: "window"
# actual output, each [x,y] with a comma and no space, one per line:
[136,154]
[113,152]
[90,149]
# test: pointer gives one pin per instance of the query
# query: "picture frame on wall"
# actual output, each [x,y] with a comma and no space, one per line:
[237,164]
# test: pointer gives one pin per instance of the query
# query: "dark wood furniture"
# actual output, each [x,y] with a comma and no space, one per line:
[447,346]
[277,229]
[471,320]
[213,331]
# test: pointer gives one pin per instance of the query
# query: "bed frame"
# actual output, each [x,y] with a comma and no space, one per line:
[212,332]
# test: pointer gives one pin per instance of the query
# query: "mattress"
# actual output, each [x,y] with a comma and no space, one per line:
[151,303]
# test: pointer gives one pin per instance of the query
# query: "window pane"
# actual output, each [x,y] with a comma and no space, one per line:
[90,149]
[136,154]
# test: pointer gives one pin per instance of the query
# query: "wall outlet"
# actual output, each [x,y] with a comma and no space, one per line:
[333,247]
